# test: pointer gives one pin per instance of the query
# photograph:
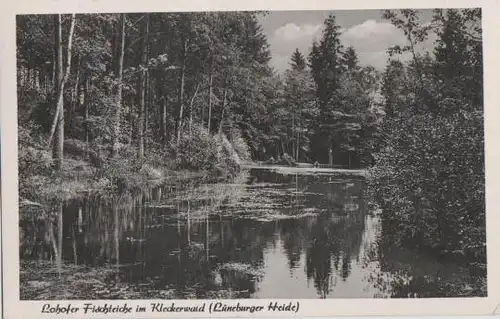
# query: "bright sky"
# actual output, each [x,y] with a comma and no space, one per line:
[365,30]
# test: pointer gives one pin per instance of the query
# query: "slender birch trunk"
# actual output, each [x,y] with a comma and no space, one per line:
[58,122]
[181,92]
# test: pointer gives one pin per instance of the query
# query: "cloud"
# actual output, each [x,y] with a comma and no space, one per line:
[373,29]
[285,39]
[280,62]
[291,36]
[370,39]
[291,32]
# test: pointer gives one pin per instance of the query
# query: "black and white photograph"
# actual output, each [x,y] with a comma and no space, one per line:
[201,155]
[261,155]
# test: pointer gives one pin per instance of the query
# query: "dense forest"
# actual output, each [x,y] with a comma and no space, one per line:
[162,86]
[113,101]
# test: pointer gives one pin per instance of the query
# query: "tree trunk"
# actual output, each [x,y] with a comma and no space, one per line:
[118,98]
[149,102]
[60,235]
[207,236]
[28,72]
[36,79]
[116,231]
[57,149]
[131,128]
[74,98]
[47,80]
[293,134]
[58,122]
[210,88]
[142,86]
[181,92]
[189,223]
[224,99]
[297,150]
[330,156]
[163,128]
[75,253]
[54,65]
[191,105]
[86,106]
[146,110]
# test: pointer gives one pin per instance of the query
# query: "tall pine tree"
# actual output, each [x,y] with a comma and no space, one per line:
[325,61]
[351,60]
[298,62]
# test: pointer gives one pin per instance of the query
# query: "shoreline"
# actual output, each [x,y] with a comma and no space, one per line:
[308,170]
[54,190]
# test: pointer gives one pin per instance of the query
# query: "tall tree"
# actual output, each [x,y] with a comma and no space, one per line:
[120,53]
[351,60]
[298,62]
[408,21]
[142,84]
[58,124]
[299,104]
[182,84]
[458,55]
[393,82]
[326,65]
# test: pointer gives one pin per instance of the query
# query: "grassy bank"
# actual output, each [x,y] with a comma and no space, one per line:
[43,190]
[85,171]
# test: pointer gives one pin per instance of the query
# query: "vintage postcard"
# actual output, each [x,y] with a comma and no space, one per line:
[265,159]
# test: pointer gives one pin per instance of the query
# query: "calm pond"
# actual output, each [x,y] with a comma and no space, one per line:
[270,233]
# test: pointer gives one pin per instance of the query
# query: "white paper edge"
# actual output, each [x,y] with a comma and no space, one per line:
[13,308]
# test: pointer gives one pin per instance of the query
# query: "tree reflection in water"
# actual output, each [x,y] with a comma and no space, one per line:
[231,240]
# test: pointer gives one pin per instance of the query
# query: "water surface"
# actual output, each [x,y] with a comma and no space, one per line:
[267,234]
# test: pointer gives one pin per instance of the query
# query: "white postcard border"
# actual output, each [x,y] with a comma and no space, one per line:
[14,308]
